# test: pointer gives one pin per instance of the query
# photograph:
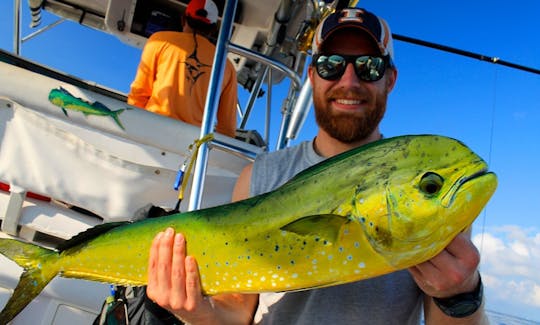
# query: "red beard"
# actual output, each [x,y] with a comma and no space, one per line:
[349,127]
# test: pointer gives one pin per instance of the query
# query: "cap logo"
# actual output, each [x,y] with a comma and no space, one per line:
[359,18]
[351,15]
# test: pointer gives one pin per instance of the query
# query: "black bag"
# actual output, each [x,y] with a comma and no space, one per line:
[131,306]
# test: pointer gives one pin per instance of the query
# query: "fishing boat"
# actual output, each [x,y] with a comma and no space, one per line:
[64,171]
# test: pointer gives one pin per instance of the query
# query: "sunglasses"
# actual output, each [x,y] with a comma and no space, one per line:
[367,68]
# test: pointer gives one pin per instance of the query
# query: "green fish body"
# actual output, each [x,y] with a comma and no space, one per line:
[370,211]
[65,100]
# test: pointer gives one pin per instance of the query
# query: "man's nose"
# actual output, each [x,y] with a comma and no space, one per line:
[349,76]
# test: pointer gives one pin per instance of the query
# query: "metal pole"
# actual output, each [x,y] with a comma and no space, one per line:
[250,54]
[44,29]
[300,111]
[253,96]
[268,108]
[212,101]
[289,102]
[17,27]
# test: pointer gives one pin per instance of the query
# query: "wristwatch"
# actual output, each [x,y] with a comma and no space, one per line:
[463,304]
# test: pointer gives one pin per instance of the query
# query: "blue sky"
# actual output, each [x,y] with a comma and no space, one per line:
[493,109]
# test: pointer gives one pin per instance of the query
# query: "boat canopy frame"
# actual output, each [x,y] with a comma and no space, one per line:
[293,111]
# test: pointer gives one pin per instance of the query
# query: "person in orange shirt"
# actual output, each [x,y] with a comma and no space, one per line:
[174,72]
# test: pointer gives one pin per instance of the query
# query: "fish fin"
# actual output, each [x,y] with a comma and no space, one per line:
[64,110]
[89,234]
[324,226]
[101,106]
[64,91]
[335,160]
[39,270]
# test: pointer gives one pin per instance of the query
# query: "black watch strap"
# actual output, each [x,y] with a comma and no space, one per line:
[463,304]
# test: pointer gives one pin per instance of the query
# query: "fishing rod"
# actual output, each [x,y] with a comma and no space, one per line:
[481,57]
[352,3]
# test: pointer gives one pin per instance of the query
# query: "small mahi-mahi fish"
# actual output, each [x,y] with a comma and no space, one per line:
[65,100]
[370,211]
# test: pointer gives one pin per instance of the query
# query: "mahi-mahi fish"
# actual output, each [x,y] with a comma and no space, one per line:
[65,100]
[370,211]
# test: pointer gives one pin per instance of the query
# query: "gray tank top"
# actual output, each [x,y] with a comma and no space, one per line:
[390,299]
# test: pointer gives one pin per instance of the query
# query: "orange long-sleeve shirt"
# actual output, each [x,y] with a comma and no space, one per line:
[173,76]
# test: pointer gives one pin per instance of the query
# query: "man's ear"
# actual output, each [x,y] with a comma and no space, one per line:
[391,78]
[310,73]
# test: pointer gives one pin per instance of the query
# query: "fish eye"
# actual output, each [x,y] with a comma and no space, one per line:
[431,183]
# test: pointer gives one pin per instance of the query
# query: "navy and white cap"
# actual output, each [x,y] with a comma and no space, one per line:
[376,27]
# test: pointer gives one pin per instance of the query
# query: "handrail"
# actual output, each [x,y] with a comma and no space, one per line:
[276,65]
[233,150]
[212,101]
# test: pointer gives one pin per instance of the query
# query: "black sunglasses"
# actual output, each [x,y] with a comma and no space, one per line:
[367,68]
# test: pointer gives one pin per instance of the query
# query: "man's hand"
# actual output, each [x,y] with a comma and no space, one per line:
[451,272]
[173,279]
[174,284]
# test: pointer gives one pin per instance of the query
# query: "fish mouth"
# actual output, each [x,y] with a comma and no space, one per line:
[462,182]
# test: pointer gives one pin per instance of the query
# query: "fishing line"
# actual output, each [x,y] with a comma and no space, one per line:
[490,151]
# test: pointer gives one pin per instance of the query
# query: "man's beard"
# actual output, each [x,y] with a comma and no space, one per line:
[349,127]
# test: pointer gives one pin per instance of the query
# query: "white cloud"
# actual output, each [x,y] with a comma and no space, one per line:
[520,249]
[536,295]
[510,264]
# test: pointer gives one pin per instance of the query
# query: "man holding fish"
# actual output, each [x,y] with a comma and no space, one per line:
[352,74]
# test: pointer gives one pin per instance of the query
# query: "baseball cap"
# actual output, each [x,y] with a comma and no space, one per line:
[360,18]
[205,11]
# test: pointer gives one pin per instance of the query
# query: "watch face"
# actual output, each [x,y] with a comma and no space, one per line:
[463,309]
[462,305]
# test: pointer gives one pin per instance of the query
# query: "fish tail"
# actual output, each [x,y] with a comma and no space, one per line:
[40,268]
[114,115]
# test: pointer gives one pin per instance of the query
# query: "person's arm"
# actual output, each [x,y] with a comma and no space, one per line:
[226,117]
[174,280]
[452,272]
[141,87]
